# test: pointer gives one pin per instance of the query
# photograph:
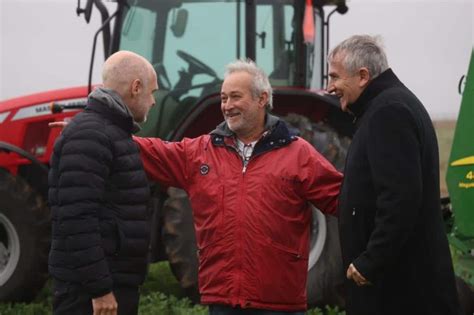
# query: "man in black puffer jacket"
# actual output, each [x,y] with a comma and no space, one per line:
[98,195]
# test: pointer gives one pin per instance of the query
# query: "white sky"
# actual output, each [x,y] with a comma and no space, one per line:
[44,45]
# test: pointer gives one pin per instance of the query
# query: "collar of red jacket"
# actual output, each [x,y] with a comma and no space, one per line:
[278,135]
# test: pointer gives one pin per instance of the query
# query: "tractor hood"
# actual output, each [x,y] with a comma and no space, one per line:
[43,98]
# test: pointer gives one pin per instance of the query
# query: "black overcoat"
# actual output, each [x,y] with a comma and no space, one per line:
[391,227]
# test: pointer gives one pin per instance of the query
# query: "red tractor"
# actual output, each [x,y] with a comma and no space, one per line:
[189,42]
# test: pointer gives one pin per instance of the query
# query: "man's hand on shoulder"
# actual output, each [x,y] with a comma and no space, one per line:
[105,305]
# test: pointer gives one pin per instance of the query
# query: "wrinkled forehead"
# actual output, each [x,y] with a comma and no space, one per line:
[237,82]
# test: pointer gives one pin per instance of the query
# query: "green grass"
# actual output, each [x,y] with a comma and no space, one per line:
[444,133]
[161,279]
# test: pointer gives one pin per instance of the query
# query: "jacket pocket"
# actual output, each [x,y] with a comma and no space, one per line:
[356,226]
[120,238]
[208,211]
[281,273]
[112,237]
[214,274]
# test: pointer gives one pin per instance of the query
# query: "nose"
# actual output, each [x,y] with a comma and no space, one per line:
[330,88]
[226,104]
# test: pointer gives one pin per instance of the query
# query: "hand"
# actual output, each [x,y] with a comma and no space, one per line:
[105,305]
[353,274]
[58,124]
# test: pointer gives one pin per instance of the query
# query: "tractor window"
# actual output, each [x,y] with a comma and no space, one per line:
[189,43]
[264,45]
[316,67]
[275,42]
[138,31]
[209,42]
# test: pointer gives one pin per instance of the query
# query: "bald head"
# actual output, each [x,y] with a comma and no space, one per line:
[134,79]
[121,68]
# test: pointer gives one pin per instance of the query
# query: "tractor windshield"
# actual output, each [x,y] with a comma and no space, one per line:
[189,42]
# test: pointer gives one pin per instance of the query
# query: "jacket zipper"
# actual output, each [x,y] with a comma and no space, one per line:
[240,238]
[245,163]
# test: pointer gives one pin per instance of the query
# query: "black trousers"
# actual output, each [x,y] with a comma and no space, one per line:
[74,301]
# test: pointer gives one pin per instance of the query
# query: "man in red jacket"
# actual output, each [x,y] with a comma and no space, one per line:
[249,182]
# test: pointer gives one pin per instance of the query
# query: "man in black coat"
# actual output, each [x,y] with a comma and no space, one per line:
[391,229]
[98,195]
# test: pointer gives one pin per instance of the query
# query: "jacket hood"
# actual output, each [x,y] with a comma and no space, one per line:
[113,104]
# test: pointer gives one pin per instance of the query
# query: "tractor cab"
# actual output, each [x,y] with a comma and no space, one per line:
[189,42]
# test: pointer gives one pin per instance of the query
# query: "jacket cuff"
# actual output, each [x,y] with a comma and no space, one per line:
[365,268]
[100,288]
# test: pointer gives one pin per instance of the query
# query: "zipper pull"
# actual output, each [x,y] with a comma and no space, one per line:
[245,162]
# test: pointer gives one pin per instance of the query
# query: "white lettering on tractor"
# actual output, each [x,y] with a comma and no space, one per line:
[38,110]
[3,116]
[32,111]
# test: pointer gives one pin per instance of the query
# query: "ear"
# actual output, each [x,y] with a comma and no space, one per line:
[364,76]
[263,99]
[136,87]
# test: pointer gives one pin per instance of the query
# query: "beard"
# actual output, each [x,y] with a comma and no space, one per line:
[243,124]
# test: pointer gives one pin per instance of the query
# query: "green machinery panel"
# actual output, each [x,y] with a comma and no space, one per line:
[460,181]
[460,174]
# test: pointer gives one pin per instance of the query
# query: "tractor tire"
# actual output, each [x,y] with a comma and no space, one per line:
[24,240]
[180,241]
[325,275]
[325,282]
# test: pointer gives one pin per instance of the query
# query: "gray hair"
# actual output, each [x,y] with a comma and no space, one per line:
[361,51]
[260,81]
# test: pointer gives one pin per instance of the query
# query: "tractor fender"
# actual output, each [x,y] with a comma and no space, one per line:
[7,147]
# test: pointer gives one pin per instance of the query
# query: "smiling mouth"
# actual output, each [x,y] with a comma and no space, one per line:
[232,115]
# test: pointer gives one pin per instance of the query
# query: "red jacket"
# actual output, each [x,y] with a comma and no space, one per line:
[252,226]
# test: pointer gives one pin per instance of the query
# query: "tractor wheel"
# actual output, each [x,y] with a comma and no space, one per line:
[326,275]
[24,240]
[180,241]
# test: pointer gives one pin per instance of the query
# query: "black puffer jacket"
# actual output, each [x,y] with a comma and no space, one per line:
[98,195]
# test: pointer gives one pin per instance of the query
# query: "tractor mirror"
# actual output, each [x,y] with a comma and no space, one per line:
[179,22]
[87,10]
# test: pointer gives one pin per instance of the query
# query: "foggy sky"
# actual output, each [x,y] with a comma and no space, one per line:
[44,45]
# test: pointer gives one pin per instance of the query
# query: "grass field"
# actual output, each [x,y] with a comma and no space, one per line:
[444,132]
